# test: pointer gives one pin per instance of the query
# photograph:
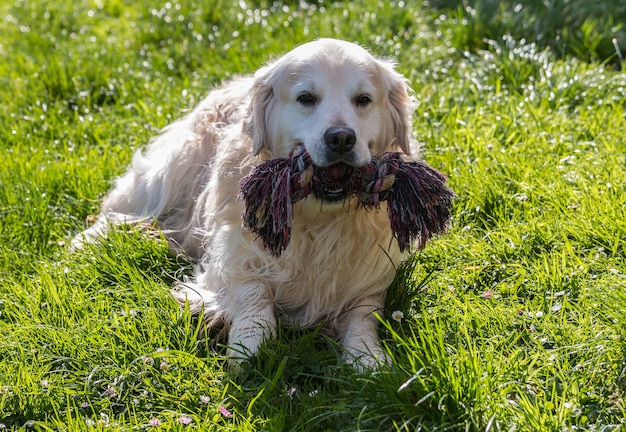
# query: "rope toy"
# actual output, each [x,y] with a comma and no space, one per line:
[418,200]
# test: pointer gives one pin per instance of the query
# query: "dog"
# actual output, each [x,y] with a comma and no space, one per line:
[342,104]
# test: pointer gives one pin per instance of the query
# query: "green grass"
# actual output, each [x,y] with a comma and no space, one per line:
[515,320]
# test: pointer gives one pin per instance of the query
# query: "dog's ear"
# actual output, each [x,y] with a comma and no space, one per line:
[256,124]
[400,105]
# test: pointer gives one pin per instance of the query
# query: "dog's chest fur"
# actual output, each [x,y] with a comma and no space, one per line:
[326,267]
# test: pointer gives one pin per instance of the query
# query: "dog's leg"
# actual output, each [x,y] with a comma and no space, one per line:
[102,226]
[252,322]
[98,229]
[360,335]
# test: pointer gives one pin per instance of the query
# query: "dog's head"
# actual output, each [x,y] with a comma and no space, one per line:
[335,98]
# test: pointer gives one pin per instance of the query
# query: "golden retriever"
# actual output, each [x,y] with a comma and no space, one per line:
[343,105]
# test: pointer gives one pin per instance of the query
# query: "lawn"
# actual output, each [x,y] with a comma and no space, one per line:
[514,320]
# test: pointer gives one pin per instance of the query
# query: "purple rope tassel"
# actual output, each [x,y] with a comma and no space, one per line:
[418,200]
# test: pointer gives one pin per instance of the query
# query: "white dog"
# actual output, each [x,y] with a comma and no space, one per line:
[344,105]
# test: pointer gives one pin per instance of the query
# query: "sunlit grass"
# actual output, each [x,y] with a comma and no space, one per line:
[514,320]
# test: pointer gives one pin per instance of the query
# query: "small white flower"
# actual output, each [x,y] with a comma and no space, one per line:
[397,315]
[185,420]
[131,313]
[205,399]
[102,422]
[488,294]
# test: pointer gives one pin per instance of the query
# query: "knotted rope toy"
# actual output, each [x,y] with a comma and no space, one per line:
[418,200]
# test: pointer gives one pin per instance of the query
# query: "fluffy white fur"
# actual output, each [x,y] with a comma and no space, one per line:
[340,260]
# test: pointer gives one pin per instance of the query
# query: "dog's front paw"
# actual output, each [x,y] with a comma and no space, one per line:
[248,333]
[365,356]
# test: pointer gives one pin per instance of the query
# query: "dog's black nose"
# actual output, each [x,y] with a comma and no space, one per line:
[340,139]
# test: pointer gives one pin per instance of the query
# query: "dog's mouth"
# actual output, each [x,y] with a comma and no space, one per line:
[334,183]
[335,195]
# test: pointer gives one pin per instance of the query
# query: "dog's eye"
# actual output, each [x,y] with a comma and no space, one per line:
[363,100]
[307,99]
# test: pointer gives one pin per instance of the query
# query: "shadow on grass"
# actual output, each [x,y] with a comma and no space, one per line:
[580,28]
